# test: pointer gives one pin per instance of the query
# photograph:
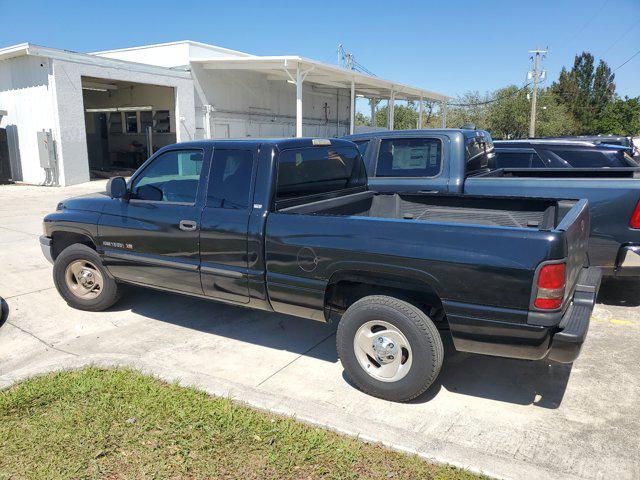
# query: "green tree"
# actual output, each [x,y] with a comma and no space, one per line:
[470,107]
[553,118]
[585,92]
[362,119]
[405,117]
[509,114]
[621,117]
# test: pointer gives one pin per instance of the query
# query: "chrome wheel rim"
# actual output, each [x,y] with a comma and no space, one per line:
[383,351]
[84,279]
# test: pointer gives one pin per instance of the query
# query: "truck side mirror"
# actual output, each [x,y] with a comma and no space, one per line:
[117,187]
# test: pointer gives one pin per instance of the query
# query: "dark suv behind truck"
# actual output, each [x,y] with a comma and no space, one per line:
[291,226]
[544,153]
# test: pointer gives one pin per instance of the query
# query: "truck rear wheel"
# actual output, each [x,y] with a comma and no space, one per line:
[82,280]
[389,348]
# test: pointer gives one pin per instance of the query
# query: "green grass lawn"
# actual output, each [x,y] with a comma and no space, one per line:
[117,424]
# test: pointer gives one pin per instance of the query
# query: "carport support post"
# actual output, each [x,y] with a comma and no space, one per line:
[373,102]
[420,110]
[392,101]
[443,106]
[207,121]
[352,107]
[298,101]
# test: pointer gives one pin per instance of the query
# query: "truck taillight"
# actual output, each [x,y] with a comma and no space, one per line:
[635,217]
[551,282]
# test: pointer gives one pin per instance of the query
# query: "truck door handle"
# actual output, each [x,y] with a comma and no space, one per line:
[188,225]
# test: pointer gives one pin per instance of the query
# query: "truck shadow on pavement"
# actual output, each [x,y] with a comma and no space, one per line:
[540,383]
[621,292]
[522,382]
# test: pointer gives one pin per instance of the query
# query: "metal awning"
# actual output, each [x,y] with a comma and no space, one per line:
[296,70]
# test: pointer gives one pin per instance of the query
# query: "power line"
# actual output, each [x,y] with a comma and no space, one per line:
[619,38]
[348,61]
[625,62]
[586,24]
[487,102]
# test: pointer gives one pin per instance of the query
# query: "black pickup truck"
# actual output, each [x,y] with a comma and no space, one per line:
[291,226]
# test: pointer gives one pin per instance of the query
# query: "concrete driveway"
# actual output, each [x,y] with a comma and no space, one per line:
[503,417]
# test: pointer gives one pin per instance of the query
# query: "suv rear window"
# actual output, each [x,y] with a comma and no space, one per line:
[591,159]
[316,170]
[515,159]
[409,157]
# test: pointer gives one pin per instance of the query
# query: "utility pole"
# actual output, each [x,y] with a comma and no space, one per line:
[534,99]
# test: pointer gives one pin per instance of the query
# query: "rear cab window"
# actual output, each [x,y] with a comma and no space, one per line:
[321,170]
[409,157]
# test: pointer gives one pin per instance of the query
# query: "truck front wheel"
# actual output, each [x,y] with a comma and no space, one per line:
[389,348]
[82,280]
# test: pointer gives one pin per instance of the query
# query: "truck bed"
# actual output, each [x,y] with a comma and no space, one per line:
[537,214]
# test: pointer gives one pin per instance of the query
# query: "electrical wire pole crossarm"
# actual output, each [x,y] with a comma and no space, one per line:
[534,99]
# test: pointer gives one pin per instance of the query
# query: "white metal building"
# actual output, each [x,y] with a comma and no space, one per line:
[69,117]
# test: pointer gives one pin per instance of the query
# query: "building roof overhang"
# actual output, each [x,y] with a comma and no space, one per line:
[286,67]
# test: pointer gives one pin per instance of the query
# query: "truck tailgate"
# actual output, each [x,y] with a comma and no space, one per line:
[576,226]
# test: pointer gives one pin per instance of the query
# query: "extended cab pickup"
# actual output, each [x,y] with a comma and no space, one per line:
[290,226]
[458,162]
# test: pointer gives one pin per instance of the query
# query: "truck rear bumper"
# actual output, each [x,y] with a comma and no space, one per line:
[45,245]
[500,332]
[567,343]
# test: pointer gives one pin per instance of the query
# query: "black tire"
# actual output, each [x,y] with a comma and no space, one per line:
[418,329]
[109,294]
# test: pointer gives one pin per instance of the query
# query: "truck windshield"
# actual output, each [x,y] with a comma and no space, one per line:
[316,170]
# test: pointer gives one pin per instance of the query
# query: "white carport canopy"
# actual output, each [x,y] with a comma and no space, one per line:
[297,70]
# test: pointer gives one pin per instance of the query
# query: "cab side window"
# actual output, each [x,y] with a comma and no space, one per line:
[230,179]
[171,177]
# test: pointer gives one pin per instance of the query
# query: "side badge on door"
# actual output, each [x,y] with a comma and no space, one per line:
[126,246]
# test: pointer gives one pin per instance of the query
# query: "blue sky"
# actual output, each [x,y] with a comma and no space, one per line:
[448,47]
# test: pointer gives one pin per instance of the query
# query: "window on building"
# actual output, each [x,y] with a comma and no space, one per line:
[115,122]
[131,122]
[171,177]
[161,121]
[409,157]
[230,179]
[146,120]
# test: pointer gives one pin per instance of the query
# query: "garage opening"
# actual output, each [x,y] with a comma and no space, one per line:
[125,122]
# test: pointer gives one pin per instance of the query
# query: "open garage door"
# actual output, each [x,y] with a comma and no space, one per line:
[125,122]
